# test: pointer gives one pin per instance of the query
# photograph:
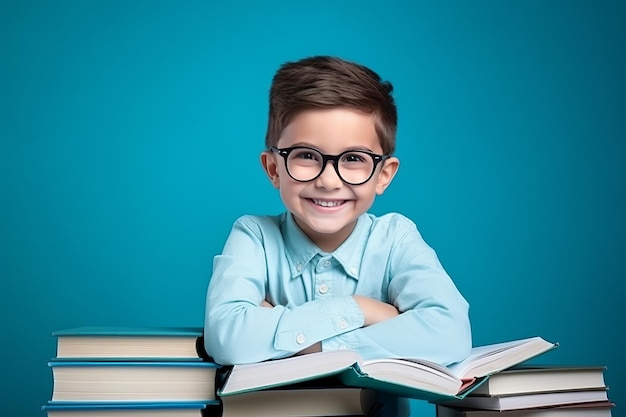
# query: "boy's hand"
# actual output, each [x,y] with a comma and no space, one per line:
[375,311]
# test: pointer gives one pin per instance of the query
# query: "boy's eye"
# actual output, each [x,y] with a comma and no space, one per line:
[353,157]
[304,154]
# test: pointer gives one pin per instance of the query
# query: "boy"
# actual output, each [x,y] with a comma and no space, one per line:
[326,274]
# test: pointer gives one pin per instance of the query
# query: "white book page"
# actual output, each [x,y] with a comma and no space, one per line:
[484,355]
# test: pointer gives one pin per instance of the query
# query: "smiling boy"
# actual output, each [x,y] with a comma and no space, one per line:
[326,274]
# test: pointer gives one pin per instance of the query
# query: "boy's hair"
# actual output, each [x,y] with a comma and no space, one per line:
[324,82]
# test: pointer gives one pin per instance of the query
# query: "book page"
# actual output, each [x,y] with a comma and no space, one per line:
[291,370]
[484,360]
[418,364]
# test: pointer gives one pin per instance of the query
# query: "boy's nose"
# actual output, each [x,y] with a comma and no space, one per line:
[329,179]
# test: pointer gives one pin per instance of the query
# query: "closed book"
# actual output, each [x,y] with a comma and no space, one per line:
[413,378]
[133,381]
[123,343]
[524,401]
[594,409]
[156,409]
[529,379]
[300,400]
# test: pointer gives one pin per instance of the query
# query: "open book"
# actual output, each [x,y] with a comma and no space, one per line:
[413,378]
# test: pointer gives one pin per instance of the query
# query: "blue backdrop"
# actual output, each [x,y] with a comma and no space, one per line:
[130,134]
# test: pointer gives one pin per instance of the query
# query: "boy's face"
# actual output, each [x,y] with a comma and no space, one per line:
[327,208]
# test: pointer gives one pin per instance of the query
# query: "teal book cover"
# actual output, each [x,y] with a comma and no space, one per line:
[131,364]
[130,331]
[63,405]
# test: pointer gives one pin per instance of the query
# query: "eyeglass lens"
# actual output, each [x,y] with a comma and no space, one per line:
[354,167]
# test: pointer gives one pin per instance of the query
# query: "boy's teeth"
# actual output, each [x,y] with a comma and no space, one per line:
[327,203]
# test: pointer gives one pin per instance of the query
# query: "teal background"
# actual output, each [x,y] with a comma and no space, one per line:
[130,134]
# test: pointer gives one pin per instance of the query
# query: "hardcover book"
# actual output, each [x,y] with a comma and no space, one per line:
[594,409]
[300,400]
[531,379]
[133,381]
[155,409]
[534,400]
[413,378]
[123,343]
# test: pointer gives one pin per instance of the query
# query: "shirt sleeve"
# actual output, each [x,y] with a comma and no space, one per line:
[434,321]
[239,330]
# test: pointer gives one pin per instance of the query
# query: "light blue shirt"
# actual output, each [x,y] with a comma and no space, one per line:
[270,258]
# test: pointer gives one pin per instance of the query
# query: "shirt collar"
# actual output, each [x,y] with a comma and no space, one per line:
[350,253]
[300,249]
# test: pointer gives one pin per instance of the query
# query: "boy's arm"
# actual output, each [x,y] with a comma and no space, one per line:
[239,328]
[375,311]
[434,319]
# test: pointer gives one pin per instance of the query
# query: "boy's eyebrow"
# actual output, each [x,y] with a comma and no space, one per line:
[351,148]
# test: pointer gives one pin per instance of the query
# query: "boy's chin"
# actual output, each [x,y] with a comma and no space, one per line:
[328,229]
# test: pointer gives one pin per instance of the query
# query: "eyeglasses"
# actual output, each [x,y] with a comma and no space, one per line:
[306,164]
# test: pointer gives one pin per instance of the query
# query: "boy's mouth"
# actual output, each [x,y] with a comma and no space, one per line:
[327,203]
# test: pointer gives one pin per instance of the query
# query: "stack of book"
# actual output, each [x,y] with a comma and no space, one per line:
[132,372]
[535,391]
[145,372]
[341,383]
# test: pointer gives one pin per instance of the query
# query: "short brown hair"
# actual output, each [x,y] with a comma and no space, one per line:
[324,82]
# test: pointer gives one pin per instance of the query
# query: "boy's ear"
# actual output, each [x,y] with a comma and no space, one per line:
[268,161]
[386,174]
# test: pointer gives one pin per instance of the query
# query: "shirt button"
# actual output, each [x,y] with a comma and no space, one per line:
[326,264]
[299,268]
[323,289]
[300,339]
[343,323]
[353,270]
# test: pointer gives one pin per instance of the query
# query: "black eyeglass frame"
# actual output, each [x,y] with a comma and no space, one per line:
[284,152]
